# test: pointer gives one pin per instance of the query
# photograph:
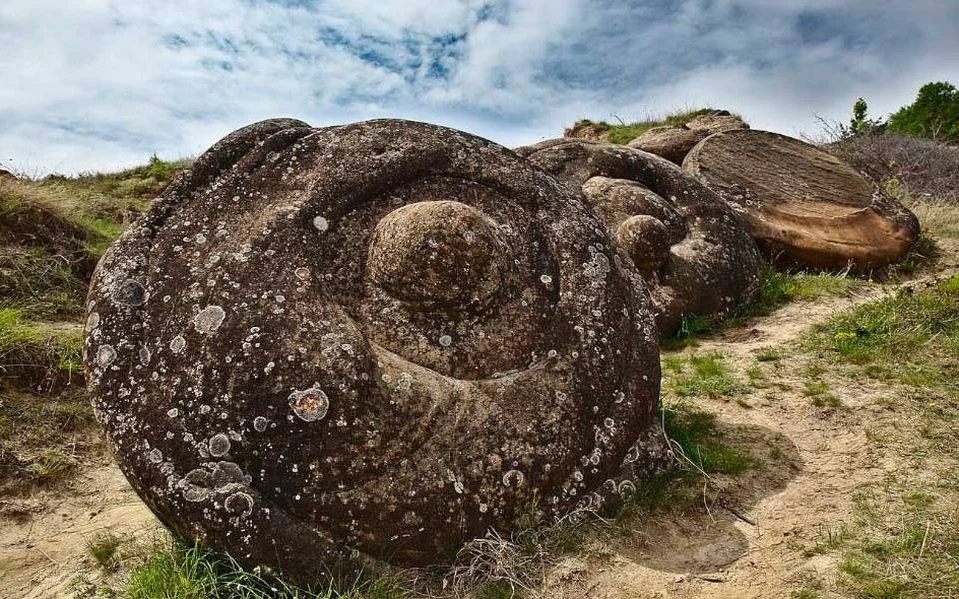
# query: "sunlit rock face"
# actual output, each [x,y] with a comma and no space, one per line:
[376,341]
[691,248]
[804,206]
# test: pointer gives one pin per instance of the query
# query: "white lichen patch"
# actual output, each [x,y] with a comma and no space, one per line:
[321,223]
[514,478]
[195,486]
[446,340]
[260,423]
[310,405]
[219,445]
[177,344]
[93,321]
[239,503]
[106,355]
[209,319]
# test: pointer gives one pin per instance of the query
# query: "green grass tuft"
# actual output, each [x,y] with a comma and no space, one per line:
[698,436]
[911,337]
[779,288]
[103,548]
[178,571]
[701,375]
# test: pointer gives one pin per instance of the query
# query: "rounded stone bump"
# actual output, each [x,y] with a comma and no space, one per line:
[439,252]
[646,240]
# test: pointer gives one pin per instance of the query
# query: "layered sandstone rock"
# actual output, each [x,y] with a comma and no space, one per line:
[804,207]
[370,342]
[691,248]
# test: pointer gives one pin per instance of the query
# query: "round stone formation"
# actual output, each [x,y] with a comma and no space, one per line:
[694,251]
[323,348]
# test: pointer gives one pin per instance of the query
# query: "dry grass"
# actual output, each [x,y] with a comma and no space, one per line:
[924,168]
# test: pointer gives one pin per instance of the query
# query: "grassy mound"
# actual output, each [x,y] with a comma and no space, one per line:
[53,231]
[624,133]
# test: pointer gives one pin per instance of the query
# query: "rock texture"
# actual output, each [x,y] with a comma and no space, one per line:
[370,342]
[671,143]
[804,207]
[674,142]
[691,248]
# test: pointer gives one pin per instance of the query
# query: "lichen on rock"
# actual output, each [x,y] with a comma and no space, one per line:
[694,252]
[370,342]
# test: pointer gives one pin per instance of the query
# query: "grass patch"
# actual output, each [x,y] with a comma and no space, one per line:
[938,218]
[697,435]
[911,337]
[768,355]
[38,356]
[691,328]
[103,549]
[623,133]
[902,549]
[140,182]
[701,375]
[178,571]
[53,231]
[828,539]
[779,288]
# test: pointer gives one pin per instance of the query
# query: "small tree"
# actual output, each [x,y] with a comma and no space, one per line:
[859,122]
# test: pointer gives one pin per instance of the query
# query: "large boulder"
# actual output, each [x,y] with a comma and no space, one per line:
[804,206]
[323,347]
[693,251]
[673,142]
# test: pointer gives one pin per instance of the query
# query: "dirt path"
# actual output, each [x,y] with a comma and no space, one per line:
[44,537]
[749,542]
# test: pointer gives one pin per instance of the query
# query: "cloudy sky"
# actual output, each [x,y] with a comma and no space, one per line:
[99,84]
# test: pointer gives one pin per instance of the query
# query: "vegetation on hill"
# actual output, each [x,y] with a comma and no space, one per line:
[624,133]
[934,114]
[52,232]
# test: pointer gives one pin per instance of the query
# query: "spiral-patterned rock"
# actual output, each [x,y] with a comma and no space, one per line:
[377,340]
[693,250]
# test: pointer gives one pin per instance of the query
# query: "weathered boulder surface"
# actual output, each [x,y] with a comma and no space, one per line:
[373,341]
[673,142]
[669,142]
[804,206]
[693,251]
[717,121]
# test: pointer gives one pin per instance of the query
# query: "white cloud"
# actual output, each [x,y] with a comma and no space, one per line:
[97,84]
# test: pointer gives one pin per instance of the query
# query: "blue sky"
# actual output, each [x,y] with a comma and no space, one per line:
[99,85]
